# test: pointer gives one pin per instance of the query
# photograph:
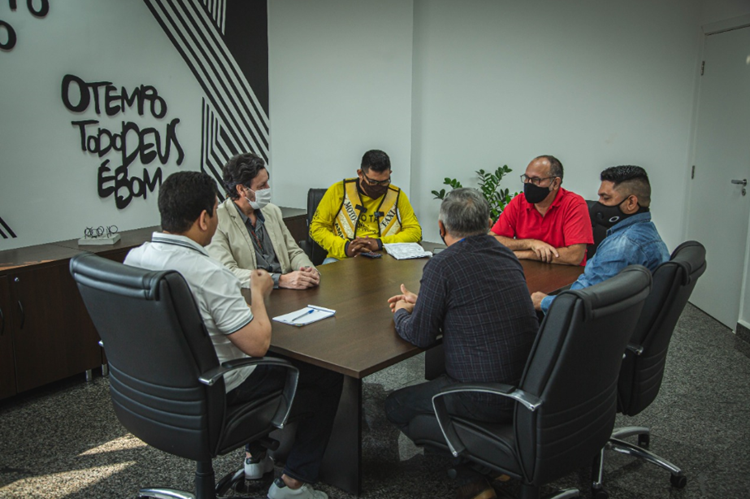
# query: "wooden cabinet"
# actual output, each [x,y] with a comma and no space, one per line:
[7,364]
[45,330]
[48,335]
[53,336]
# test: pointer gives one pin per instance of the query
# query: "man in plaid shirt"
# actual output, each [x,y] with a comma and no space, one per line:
[473,293]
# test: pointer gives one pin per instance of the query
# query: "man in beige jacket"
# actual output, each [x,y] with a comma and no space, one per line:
[251,232]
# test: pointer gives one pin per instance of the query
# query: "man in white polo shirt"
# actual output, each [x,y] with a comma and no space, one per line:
[187,204]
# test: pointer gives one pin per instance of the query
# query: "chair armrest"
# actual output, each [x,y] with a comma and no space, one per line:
[445,420]
[290,386]
[529,401]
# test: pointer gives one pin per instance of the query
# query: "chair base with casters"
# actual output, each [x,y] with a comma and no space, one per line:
[205,475]
[640,450]
[205,488]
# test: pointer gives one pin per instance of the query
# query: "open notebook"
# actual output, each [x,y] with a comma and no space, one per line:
[307,315]
[404,251]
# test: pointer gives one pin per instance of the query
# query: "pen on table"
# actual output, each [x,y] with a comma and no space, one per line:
[302,315]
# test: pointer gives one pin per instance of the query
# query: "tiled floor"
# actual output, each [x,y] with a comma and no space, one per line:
[65,442]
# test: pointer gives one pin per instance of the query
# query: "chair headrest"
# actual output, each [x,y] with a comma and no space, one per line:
[691,256]
[106,275]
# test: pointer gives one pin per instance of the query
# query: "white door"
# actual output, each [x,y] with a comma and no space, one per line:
[718,212]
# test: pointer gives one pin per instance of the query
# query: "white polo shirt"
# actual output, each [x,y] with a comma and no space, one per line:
[216,290]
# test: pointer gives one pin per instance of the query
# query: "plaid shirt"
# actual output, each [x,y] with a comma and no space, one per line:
[475,294]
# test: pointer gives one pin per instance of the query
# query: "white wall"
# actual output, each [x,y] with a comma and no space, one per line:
[594,83]
[340,84]
[720,10]
[48,186]
[444,87]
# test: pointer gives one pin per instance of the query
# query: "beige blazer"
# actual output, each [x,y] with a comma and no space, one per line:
[232,246]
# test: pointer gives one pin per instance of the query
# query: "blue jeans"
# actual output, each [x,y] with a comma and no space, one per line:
[315,406]
[329,259]
[403,405]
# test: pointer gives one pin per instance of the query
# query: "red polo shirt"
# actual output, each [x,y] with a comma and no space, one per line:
[566,222]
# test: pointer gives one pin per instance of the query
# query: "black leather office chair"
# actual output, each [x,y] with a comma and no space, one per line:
[643,367]
[166,383]
[567,398]
[313,250]
[600,232]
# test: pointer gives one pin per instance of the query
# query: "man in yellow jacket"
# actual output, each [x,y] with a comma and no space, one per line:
[359,214]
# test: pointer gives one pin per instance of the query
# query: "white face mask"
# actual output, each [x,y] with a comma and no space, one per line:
[262,198]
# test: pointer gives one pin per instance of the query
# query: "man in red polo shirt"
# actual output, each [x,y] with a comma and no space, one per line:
[545,222]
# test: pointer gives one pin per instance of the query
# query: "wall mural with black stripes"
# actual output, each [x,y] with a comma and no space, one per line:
[8,40]
[225,45]
[141,90]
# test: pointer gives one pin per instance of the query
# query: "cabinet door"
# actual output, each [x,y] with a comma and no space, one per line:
[54,337]
[7,364]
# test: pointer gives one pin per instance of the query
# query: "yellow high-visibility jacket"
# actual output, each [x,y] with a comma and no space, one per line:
[338,219]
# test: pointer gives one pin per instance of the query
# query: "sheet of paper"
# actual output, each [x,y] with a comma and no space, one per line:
[404,251]
[307,315]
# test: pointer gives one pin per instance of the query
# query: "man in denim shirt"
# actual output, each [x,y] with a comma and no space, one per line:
[623,207]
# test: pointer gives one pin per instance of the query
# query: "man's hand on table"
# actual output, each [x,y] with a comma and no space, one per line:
[536,299]
[545,252]
[261,283]
[405,300]
[305,277]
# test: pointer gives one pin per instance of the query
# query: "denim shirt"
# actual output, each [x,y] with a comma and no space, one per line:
[635,240]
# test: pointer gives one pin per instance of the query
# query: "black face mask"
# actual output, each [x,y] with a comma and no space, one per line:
[608,216]
[372,191]
[535,194]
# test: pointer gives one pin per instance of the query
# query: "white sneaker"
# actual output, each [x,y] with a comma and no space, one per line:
[279,490]
[256,470]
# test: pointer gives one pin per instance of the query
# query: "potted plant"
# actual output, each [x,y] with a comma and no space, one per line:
[489,184]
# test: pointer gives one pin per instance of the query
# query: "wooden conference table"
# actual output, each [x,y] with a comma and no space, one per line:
[361,339]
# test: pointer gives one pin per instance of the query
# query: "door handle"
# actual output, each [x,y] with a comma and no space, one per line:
[742,182]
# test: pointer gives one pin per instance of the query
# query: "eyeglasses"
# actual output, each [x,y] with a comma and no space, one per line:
[376,182]
[94,232]
[533,180]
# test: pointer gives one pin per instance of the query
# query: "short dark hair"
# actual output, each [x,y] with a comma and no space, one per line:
[182,199]
[464,212]
[630,180]
[241,170]
[375,160]
[555,166]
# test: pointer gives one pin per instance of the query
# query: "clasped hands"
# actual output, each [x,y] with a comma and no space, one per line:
[361,245]
[405,300]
